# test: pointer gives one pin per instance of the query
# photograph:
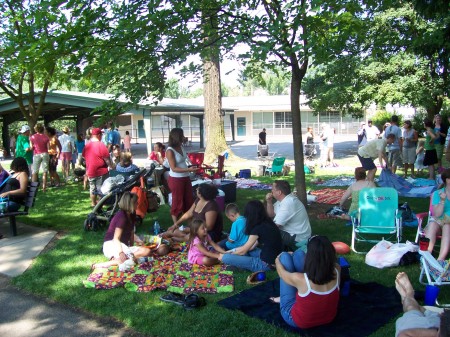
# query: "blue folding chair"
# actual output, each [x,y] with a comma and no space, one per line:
[377,216]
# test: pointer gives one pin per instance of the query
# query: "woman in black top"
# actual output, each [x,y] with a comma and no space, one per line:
[261,231]
[15,188]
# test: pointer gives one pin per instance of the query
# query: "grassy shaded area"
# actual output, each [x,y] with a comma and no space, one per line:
[58,272]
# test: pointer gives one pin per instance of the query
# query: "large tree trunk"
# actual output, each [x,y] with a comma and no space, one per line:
[296,80]
[215,133]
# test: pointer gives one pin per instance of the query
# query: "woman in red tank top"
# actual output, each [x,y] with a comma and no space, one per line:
[309,284]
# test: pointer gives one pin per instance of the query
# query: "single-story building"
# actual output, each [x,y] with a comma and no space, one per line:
[148,122]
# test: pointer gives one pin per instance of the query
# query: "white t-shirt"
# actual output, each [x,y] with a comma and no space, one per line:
[180,161]
[372,149]
[372,132]
[291,216]
[66,143]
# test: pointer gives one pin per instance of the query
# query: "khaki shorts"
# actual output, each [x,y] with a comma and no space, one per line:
[95,184]
[395,158]
[40,160]
[409,155]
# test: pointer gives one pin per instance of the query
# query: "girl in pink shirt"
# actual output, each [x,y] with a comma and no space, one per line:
[202,249]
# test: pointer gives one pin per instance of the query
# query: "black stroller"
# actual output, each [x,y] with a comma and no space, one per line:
[108,205]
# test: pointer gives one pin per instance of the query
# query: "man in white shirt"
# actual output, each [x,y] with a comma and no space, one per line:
[289,214]
[372,131]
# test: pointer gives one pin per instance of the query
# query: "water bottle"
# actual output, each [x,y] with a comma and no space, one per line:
[145,259]
[156,228]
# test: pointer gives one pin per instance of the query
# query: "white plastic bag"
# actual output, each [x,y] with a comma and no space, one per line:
[388,254]
[111,182]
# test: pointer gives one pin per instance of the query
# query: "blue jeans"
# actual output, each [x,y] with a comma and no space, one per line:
[292,263]
[251,261]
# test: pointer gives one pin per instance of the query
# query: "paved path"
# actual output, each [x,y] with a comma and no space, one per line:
[25,315]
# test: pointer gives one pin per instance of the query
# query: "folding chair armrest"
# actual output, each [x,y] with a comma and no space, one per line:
[430,260]
[353,214]
[421,216]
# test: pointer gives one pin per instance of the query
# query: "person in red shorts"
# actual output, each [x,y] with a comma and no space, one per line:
[97,162]
[179,181]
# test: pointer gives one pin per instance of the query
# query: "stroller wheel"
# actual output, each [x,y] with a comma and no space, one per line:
[87,225]
[91,223]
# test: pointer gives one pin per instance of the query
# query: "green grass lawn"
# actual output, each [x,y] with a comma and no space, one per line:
[59,272]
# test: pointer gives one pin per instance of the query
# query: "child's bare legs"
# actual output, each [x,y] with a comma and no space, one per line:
[431,232]
[85,182]
[445,244]
[176,235]
[210,261]
[107,264]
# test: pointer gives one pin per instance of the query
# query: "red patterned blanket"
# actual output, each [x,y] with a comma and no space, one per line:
[171,272]
[330,196]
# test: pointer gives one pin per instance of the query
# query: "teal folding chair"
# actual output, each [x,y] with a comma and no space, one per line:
[377,216]
[277,166]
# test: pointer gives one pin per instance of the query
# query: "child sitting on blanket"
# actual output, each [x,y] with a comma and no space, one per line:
[202,249]
[237,237]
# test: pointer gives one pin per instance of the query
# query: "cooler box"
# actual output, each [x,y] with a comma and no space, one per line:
[229,188]
[247,173]
[220,199]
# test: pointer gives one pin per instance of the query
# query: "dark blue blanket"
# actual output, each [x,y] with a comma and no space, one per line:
[368,307]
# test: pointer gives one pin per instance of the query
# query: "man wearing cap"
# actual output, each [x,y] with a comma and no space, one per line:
[97,163]
[23,147]
[371,131]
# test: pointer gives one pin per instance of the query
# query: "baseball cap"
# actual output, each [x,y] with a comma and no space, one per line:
[96,131]
[24,128]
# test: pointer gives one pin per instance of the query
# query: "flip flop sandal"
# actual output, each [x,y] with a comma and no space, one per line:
[173,298]
[256,278]
[193,301]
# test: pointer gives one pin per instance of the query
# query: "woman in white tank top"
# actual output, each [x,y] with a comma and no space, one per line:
[179,181]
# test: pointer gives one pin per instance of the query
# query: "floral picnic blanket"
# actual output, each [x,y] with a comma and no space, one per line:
[330,196]
[171,272]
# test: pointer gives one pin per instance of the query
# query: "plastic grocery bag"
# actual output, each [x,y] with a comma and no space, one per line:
[388,254]
[111,182]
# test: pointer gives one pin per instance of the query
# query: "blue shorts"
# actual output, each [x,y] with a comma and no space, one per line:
[367,163]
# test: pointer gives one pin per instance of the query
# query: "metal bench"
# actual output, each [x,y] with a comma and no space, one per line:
[27,203]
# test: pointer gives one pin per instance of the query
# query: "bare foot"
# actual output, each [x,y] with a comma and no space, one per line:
[403,285]
[274,299]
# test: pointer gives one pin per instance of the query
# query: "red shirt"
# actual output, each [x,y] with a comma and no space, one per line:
[316,308]
[40,143]
[95,153]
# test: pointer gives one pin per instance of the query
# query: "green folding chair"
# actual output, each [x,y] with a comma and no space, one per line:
[277,166]
[377,216]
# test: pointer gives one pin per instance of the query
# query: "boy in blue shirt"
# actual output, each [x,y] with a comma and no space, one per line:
[237,237]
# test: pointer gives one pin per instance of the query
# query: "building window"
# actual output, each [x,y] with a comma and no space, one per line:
[262,120]
[283,119]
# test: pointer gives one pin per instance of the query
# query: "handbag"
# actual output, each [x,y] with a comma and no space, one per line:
[388,254]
